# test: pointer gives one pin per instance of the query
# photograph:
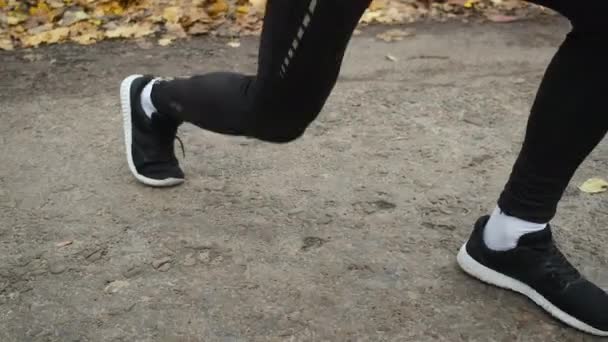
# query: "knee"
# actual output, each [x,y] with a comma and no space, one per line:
[279,131]
[280,136]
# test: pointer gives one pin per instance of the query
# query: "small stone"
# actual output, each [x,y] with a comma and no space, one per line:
[115,286]
[160,262]
[295,211]
[327,219]
[95,256]
[204,257]
[57,268]
[164,267]
[189,260]
[133,272]
[215,185]
[312,242]
[64,243]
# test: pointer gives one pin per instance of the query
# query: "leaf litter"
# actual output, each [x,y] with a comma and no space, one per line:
[32,23]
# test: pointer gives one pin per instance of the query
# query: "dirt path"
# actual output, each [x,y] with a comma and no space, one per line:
[348,234]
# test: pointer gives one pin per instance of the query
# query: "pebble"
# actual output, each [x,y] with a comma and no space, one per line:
[57,268]
[115,286]
[189,260]
[133,272]
[160,262]
[204,257]
[165,267]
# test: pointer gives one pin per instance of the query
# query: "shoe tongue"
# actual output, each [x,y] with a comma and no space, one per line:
[540,237]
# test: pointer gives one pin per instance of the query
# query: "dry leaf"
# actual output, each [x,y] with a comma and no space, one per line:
[6,44]
[173,14]
[218,7]
[49,37]
[258,5]
[131,31]
[199,28]
[594,186]
[394,35]
[165,41]
[30,23]
[72,17]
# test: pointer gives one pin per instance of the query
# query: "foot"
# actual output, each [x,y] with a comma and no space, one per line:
[149,141]
[537,269]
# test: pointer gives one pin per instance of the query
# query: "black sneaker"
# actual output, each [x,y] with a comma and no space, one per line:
[537,269]
[149,141]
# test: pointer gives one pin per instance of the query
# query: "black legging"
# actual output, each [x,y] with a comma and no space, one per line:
[303,43]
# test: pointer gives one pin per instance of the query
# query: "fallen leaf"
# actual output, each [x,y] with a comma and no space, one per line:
[131,31]
[243,9]
[49,37]
[116,286]
[198,29]
[258,5]
[234,44]
[173,14]
[72,17]
[218,7]
[594,186]
[6,44]
[165,41]
[16,18]
[394,35]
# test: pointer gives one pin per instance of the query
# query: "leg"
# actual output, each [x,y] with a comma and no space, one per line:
[303,43]
[567,121]
[514,247]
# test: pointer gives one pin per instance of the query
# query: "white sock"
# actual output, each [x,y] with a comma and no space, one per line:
[503,231]
[146,99]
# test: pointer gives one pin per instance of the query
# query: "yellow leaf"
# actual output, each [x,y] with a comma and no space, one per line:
[16,18]
[129,31]
[218,7]
[173,14]
[2,3]
[234,44]
[377,5]
[469,3]
[594,186]
[41,9]
[49,37]
[85,33]
[242,9]
[259,5]
[6,44]
[167,40]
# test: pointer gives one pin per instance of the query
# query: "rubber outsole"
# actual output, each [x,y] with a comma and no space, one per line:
[489,276]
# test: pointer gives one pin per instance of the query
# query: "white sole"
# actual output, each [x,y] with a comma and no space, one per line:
[125,102]
[489,276]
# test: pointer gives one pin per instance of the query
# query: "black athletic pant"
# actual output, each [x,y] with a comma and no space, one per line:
[302,46]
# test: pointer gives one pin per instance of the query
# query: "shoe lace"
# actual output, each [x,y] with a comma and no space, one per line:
[167,129]
[181,144]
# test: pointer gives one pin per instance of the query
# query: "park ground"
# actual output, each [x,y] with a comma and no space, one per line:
[348,234]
